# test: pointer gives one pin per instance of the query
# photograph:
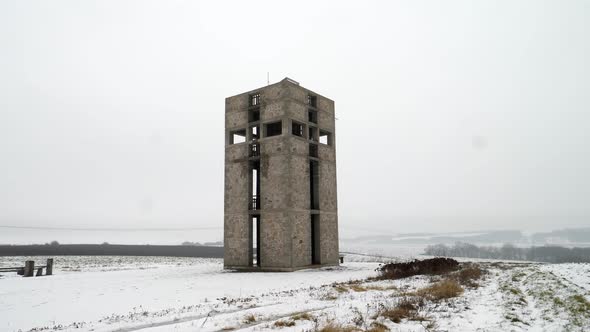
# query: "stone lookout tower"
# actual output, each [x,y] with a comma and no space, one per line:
[280,179]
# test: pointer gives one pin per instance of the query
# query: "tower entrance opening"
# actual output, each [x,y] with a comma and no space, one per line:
[255,241]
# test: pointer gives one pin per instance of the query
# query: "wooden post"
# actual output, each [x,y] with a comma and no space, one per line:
[29,268]
[39,272]
[49,270]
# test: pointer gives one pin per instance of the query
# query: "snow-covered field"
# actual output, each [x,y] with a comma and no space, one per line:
[192,294]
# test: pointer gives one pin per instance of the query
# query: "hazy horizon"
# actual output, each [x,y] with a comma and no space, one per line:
[26,236]
[452,116]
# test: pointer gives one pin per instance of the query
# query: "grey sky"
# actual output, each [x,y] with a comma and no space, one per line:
[453,115]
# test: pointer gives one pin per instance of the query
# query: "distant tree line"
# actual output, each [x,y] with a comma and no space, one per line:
[548,254]
[55,243]
[110,250]
[206,244]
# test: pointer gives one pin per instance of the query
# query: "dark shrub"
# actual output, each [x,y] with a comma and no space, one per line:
[418,267]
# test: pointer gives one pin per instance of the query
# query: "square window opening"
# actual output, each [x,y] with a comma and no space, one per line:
[255,150]
[255,99]
[325,137]
[312,116]
[237,136]
[312,100]
[273,129]
[254,132]
[254,115]
[298,129]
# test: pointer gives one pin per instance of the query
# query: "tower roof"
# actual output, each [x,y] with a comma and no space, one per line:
[290,80]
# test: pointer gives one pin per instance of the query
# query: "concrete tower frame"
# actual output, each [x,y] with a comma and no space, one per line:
[280,204]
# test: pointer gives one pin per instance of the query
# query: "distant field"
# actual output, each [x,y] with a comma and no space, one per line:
[111,250]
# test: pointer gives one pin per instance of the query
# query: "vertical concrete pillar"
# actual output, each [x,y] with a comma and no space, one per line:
[29,268]
[49,270]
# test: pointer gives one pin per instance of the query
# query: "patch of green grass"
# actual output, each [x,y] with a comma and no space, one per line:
[302,316]
[555,298]
[558,302]
[340,288]
[515,319]
[515,291]
[445,289]
[329,297]
[283,323]
[358,288]
[333,327]
[381,288]
[578,305]
[518,276]
[546,294]
[580,299]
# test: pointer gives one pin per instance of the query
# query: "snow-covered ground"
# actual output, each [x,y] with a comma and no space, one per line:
[109,287]
[192,294]
[577,274]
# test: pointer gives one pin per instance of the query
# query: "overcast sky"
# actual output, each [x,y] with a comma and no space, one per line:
[452,115]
